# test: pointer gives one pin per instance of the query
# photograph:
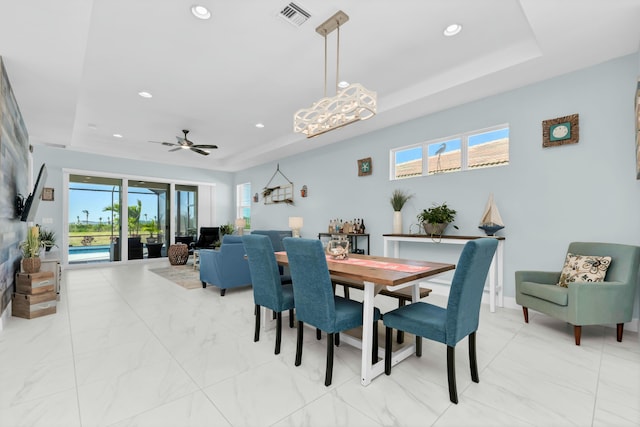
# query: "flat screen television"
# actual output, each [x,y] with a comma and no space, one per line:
[31,204]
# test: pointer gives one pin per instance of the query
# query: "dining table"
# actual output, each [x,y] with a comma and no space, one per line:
[377,272]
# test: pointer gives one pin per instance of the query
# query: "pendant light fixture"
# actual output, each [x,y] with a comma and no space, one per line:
[349,105]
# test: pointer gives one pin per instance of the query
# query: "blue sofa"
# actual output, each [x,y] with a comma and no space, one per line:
[227,267]
[276,237]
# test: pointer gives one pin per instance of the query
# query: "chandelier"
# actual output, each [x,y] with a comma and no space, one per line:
[349,105]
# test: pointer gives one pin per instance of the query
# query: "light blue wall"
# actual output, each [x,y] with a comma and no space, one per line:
[547,197]
[59,159]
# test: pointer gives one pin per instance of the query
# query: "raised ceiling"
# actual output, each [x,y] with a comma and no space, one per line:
[76,66]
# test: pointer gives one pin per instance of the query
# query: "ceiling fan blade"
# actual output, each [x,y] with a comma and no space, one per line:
[175,149]
[197,150]
[211,147]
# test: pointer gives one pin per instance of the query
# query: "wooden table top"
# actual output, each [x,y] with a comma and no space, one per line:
[379,275]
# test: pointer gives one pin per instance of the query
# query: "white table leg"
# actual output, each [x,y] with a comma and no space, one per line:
[500,267]
[367,333]
[492,284]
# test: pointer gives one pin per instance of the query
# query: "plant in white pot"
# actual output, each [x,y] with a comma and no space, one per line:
[436,219]
[398,200]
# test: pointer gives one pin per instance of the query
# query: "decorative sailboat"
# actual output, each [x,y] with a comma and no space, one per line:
[491,220]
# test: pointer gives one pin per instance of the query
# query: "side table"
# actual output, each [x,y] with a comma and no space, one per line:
[178,254]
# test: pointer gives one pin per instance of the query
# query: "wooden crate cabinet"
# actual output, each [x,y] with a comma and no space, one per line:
[35,283]
[32,306]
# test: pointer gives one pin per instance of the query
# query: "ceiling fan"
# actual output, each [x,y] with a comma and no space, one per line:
[184,144]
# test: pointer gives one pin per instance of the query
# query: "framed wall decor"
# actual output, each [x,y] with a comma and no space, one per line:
[47,194]
[365,167]
[560,131]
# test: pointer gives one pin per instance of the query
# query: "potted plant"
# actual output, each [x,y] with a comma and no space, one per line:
[31,251]
[398,200]
[47,238]
[436,219]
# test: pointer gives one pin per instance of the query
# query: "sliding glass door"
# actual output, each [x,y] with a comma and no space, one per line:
[148,213]
[94,219]
[186,213]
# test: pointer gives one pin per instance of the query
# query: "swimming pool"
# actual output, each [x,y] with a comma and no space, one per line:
[88,249]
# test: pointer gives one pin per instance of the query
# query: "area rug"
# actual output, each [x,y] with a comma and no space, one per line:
[183,275]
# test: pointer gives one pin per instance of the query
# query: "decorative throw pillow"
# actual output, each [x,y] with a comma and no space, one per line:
[583,268]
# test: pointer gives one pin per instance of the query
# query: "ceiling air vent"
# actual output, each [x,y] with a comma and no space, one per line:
[294,14]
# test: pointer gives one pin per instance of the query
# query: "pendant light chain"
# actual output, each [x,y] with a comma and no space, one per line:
[338,58]
[325,64]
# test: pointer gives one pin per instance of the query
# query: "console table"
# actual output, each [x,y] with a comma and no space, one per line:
[496,271]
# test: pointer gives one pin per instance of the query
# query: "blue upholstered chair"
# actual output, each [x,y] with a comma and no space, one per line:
[316,303]
[268,290]
[596,303]
[227,267]
[276,237]
[460,318]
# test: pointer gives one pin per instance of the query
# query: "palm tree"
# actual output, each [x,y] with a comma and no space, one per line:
[86,212]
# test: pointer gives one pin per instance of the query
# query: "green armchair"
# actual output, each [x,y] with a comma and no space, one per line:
[582,304]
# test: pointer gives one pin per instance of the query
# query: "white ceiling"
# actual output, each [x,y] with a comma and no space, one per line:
[76,66]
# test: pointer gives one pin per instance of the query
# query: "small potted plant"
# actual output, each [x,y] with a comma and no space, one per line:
[436,219]
[398,200]
[47,238]
[31,251]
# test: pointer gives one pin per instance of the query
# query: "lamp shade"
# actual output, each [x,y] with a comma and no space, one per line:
[295,224]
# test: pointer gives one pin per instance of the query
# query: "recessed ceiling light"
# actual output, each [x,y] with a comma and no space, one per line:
[145,94]
[452,30]
[93,126]
[117,135]
[260,125]
[200,12]
[343,84]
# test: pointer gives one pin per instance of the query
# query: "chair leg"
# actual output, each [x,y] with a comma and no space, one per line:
[318,334]
[336,339]
[291,317]
[278,331]
[329,373]
[273,315]
[577,332]
[204,284]
[222,292]
[388,337]
[256,334]
[619,330]
[400,337]
[473,361]
[418,346]
[374,346]
[451,374]
[525,311]
[299,344]
[346,292]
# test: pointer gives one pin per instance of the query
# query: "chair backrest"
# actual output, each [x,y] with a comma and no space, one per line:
[265,276]
[208,236]
[230,239]
[276,237]
[465,295]
[312,290]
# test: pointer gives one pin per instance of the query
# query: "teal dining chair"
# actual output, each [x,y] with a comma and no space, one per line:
[316,304]
[452,324]
[268,290]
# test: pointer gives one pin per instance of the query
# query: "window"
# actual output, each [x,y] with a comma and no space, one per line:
[472,150]
[243,203]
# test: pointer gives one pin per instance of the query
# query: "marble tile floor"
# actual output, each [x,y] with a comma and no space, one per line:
[128,348]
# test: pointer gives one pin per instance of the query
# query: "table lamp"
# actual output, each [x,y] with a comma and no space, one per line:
[240,223]
[295,224]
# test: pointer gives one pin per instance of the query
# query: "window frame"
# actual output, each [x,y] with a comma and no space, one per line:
[464,151]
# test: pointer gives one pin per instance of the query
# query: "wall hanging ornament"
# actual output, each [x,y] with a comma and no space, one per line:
[282,193]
